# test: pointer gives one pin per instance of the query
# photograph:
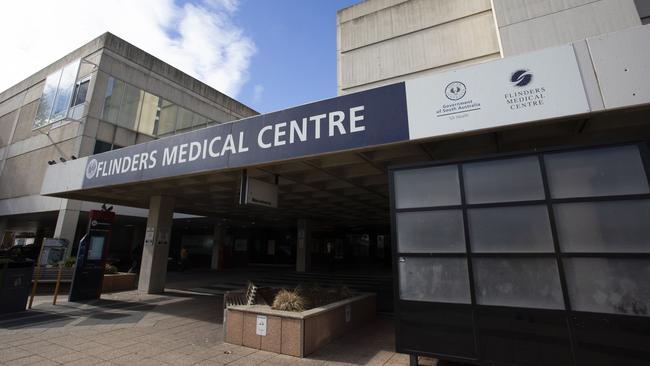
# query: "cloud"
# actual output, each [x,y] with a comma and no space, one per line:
[258,90]
[199,38]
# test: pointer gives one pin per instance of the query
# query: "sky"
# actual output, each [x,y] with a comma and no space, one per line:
[268,54]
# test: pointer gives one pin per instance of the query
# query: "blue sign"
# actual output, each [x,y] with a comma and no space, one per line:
[368,118]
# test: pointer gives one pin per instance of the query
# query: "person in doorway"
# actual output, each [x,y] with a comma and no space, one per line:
[136,255]
[185,255]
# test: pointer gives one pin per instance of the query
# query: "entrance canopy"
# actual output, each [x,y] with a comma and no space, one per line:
[329,158]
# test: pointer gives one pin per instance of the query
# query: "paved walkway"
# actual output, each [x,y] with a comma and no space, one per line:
[177,328]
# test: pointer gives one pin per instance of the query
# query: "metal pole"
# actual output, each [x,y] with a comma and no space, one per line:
[58,283]
[36,277]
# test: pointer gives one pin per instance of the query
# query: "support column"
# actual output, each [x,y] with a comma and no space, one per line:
[217,247]
[303,250]
[67,221]
[3,229]
[155,251]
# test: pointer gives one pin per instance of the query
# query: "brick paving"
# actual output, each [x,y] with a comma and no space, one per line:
[176,328]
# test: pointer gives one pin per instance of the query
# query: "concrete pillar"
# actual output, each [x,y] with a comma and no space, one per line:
[3,228]
[66,222]
[153,269]
[217,246]
[303,250]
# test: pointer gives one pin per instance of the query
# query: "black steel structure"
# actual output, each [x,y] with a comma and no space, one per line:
[537,258]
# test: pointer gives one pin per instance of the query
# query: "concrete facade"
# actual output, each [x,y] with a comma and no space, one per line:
[386,41]
[25,151]
[383,42]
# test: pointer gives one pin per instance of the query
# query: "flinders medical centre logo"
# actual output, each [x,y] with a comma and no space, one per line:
[521,78]
[91,169]
[525,94]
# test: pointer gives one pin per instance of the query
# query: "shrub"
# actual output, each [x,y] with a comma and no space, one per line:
[110,269]
[289,300]
[69,262]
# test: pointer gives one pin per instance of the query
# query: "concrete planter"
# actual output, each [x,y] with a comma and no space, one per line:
[118,282]
[296,333]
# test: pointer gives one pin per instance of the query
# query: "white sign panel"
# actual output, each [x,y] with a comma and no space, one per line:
[260,329]
[261,193]
[148,236]
[531,87]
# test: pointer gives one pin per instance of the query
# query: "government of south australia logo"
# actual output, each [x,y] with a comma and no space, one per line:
[455,90]
[91,169]
[521,77]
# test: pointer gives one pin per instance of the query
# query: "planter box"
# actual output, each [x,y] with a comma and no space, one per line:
[296,333]
[118,282]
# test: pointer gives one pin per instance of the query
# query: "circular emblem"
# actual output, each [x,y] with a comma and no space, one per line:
[521,77]
[455,90]
[91,169]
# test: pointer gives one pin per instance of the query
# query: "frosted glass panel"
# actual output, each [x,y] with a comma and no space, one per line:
[519,282]
[504,180]
[613,226]
[599,172]
[605,285]
[434,279]
[427,187]
[430,231]
[510,229]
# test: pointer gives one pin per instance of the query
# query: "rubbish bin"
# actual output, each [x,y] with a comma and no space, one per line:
[15,283]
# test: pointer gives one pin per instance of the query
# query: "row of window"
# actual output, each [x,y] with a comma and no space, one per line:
[604,285]
[61,92]
[604,226]
[592,173]
[138,110]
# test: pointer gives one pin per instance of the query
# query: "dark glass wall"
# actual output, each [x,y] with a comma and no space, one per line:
[531,259]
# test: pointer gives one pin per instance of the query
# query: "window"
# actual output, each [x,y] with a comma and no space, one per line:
[80,92]
[434,279]
[598,172]
[47,100]
[430,231]
[504,180]
[167,122]
[102,146]
[510,229]
[64,91]
[608,226]
[521,282]
[427,187]
[115,90]
[608,285]
[130,108]
[185,118]
[57,95]
[138,110]
[149,114]
[199,121]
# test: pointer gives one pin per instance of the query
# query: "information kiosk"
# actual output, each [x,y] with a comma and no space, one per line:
[91,257]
